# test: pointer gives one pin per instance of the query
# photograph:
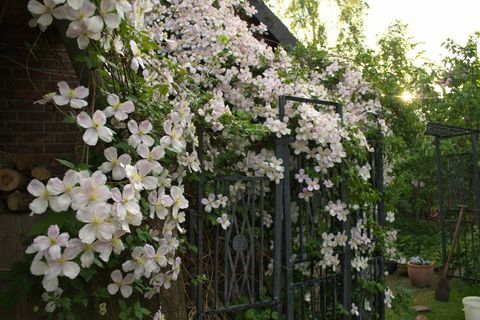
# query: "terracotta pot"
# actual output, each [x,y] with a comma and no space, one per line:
[402,269]
[420,275]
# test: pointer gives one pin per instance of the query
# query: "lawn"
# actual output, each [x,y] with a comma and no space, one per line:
[451,310]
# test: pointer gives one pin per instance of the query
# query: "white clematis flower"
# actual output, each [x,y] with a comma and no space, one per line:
[44,12]
[63,266]
[107,11]
[74,97]
[121,283]
[117,109]
[85,29]
[95,127]
[98,225]
[125,201]
[140,133]
[137,60]
[139,177]
[47,196]
[53,242]
[224,221]
[115,164]
[159,203]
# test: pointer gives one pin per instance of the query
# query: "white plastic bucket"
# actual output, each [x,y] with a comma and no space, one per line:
[471,306]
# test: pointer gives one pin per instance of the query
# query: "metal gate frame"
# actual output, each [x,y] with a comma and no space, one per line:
[444,132]
[283,266]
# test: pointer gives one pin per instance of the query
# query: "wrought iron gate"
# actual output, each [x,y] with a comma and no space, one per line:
[268,238]
[458,184]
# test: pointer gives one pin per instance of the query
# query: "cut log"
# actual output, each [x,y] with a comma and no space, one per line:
[23,162]
[19,201]
[7,160]
[10,180]
[41,174]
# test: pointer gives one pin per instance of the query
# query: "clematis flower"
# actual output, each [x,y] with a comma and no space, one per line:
[95,127]
[74,4]
[79,10]
[98,225]
[354,310]
[224,221]
[107,11]
[159,203]
[121,283]
[139,178]
[44,12]
[47,196]
[85,29]
[88,251]
[92,190]
[210,202]
[117,109]
[173,137]
[137,60]
[151,156]
[179,201]
[137,264]
[125,201]
[74,97]
[115,164]
[140,133]
[53,242]
[63,266]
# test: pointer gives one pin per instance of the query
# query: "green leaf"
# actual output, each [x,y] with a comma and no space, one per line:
[67,164]
[70,119]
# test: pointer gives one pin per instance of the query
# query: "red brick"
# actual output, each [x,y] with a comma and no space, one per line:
[26,126]
[66,138]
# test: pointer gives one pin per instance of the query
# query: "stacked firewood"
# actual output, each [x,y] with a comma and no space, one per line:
[16,171]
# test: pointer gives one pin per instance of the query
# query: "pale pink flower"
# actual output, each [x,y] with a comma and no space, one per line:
[74,97]
[95,127]
[63,266]
[140,133]
[137,60]
[137,264]
[107,11]
[52,242]
[115,164]
[125,201]
[92,190]
[210,202]
[159,203]
[74,4]
[179,201]
[121,283]
[44,12]
[224,221]
[151,156]
[117,109]
[98,225]
[139,178]
[47,196]
[85,29]
[174,136]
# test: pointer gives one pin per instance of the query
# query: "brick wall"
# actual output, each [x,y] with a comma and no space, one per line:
[25,75]
[27,128]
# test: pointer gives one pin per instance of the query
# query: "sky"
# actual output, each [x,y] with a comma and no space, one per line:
[430,22]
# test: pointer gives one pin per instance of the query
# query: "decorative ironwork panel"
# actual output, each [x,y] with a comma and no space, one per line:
[235,259]
[458,180]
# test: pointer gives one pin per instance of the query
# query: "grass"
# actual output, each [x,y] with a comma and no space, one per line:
[451,310]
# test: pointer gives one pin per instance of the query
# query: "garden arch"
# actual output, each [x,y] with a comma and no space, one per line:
[231,266]
[458,184]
